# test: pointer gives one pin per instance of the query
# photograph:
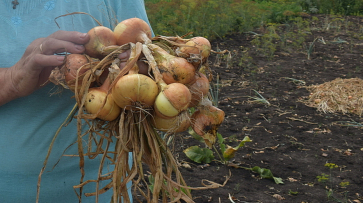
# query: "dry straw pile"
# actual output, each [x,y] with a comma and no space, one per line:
[337,96]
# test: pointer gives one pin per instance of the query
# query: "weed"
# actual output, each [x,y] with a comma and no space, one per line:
[296,81]
[327,179]
[344,184]
[323,178]
[310,48]
[260,99]
[266,44]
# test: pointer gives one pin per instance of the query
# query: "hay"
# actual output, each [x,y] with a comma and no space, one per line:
[338,96]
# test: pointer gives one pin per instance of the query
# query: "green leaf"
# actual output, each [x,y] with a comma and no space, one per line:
[229,153]
[221,141]
[199,155]
[266,173]
[278,180]
[243,142]
[293,192]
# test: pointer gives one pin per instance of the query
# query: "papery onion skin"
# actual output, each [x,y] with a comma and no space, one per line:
[100,38]
[175,124]
[199,89]
[135,90]
[132,30]
[172,100]
[94,101]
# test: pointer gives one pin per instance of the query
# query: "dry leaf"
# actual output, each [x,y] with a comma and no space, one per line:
[277,196]
[348,152]
[185,165]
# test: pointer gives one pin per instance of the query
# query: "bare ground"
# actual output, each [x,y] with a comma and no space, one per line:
[291,139]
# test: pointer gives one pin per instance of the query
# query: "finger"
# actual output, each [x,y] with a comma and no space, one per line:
[51,46]
[71,36]
[124,56]
[40,60]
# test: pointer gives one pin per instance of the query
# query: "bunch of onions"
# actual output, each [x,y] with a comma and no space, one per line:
[130,105]
[101,103]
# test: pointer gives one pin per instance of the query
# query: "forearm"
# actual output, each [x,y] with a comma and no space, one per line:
[8,92]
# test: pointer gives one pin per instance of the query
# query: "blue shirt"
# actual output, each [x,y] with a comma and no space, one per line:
[28,124]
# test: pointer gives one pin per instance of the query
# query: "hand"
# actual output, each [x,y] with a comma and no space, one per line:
[33,69]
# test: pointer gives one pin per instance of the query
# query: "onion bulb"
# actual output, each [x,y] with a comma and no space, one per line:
[206,121]
[175,124]
[73,62]
[135,90]
[173,99]
[197,46]
[132,30]
[100,38]
[95,103]
[172,68]
[199,89]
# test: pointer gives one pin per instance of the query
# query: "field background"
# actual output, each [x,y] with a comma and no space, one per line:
[277,50]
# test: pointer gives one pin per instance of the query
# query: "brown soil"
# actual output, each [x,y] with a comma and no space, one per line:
[291,139]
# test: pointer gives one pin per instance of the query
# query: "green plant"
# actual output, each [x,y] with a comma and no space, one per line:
[214,18]
[266,44]
[343,7]
[327,178]
[265,173]
[205,155]
[344,184]
[296,81]
[293,192]
[310,48]
[260,99]
[323,178]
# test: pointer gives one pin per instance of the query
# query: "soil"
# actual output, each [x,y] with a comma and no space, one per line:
[291,139]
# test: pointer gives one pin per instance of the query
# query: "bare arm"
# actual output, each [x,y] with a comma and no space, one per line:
[33,69]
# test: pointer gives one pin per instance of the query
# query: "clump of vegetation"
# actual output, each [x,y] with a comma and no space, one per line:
[327,179]
[215,18]
[346,7]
